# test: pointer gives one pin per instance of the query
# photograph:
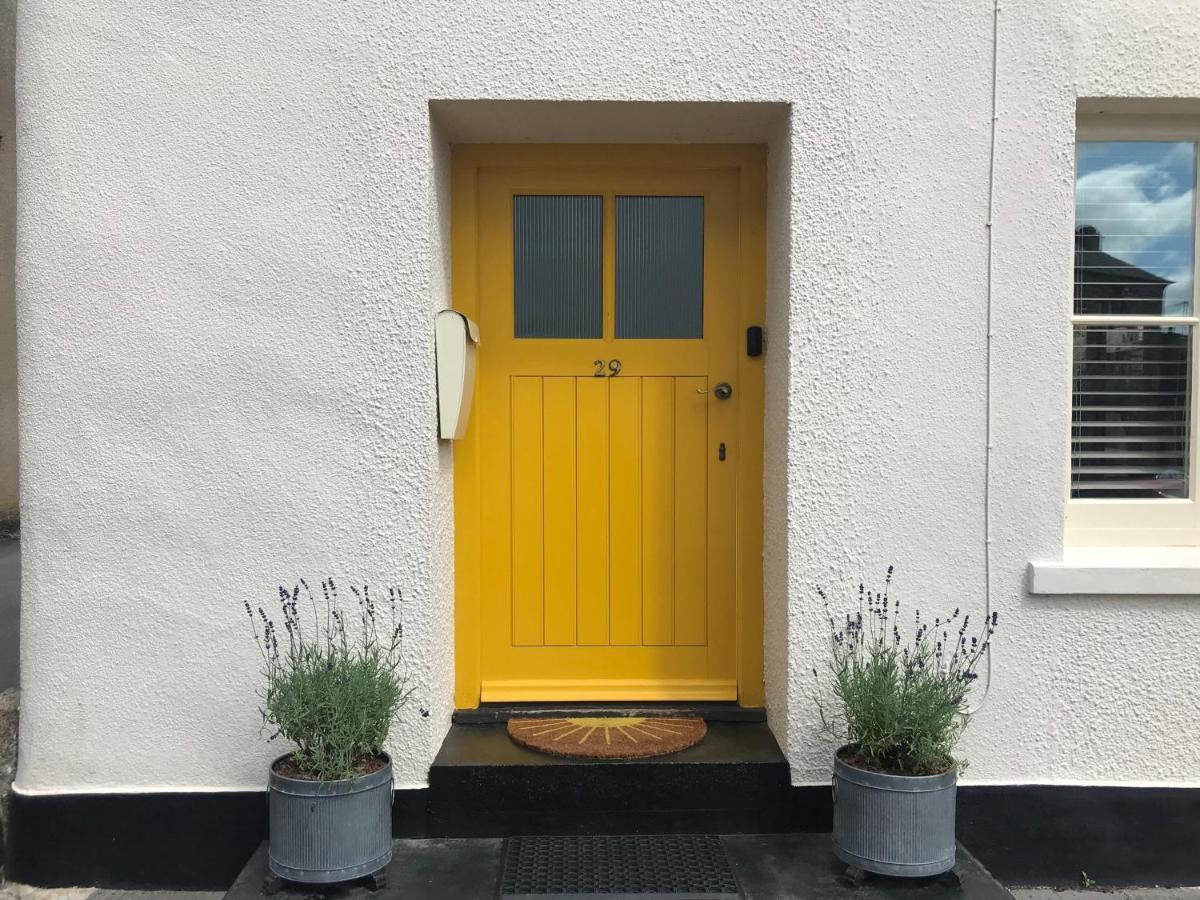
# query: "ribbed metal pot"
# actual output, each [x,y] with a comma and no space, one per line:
[894,824]
[327,831]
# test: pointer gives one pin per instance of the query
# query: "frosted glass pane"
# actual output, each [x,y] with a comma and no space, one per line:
[557,264]
[660,267]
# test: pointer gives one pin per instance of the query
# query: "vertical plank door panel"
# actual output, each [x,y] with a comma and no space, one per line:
[658,510]
[527,548]
[592,491]
[691,508]
[558,509]
[625,517]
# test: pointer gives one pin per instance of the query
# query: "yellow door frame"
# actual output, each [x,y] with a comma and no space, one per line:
[749,163]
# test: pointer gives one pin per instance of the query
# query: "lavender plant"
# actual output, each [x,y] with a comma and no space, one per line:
[901,698]
[332,689]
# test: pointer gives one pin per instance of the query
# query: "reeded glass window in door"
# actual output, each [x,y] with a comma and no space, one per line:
[557,266]
[660,267]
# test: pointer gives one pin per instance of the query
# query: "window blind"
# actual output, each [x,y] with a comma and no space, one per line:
[1129,413]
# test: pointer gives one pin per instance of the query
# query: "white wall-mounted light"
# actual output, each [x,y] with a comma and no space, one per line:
[456,338]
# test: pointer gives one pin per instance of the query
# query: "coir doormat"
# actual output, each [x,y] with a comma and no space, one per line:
[608,737]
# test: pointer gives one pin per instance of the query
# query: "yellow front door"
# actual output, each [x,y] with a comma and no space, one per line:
[608,442]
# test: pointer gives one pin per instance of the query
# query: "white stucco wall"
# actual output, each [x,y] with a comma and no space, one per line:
[8,255]
[233,235]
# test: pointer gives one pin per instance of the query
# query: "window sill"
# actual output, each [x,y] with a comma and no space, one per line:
[1126,571]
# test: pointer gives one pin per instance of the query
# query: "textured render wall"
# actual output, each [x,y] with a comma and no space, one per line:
[227,284]
[1088,689]
[779,503]
[1124,48]
[1037,723]
[8,302]
[233,237]
[886,415]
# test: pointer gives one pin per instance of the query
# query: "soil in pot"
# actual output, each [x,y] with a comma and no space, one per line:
[851,757]
[364,765]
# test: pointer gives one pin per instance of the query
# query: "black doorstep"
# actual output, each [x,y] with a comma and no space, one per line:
[734,781]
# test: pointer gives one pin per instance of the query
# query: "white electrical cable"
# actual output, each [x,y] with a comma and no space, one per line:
[987,389]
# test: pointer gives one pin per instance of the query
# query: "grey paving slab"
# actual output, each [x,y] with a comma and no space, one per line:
[462,869]
[768,867]
[784,866]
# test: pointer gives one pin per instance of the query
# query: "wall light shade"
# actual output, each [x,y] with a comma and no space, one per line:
[456,338]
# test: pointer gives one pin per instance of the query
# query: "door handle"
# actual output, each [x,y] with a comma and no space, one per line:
[722,390]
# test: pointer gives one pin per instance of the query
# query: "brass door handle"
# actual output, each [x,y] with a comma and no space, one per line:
[722,390]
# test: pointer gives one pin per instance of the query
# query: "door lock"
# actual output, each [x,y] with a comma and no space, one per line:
[723,390]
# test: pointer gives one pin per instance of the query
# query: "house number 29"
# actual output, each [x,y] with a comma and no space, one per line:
[613,368]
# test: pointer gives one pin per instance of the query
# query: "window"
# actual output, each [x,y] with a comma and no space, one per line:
[1133,401]
[657,282]
[557,261]
[660,267]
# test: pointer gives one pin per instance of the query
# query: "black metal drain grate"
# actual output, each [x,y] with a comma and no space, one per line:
[646,867]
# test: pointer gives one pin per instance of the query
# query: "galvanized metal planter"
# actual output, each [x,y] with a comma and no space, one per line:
[327,831]
[894,824]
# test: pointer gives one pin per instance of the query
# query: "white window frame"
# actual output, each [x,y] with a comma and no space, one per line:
[1163,522]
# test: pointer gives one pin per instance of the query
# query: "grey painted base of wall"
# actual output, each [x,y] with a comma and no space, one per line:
[1028,834]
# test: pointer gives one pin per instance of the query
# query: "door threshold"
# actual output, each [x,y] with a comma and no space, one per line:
[608,690]
[712,711]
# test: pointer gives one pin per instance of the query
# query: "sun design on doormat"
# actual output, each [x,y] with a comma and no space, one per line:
[612,737]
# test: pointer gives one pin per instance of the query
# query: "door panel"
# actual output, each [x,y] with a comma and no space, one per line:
[607,467]
[658,510]
[691,506]
[582,480]
[592,436]
[559,522]
[528,549]
[625,517]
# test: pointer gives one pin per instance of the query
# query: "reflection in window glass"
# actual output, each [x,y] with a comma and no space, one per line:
[1134,228]
[557,253]
[1130,408]
[660,267]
